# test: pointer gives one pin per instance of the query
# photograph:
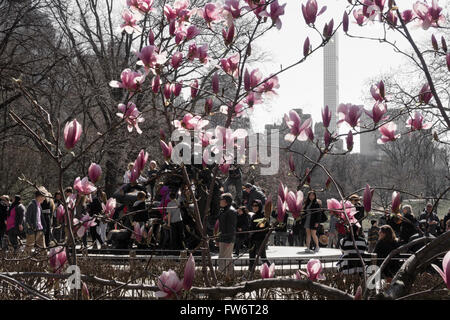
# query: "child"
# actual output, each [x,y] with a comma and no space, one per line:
[373,235]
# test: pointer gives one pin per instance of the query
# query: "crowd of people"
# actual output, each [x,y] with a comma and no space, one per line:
[159,215]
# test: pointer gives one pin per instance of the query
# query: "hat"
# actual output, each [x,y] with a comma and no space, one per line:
[42,191]
[354,197]
[248,185]
[323,239]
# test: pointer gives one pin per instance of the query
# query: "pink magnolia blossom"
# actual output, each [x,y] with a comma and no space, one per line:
[166,149]
[306,47]
[282,191]
[167,91]
[72,133]
[176,60]
[407,16]
[251,80]
[141,160]
[60,213]
[189,273]
[169,284]
[192,52]
[256,6]
[297,129]
[295,203]
[84,186]
[267,272]
[429,16]
[345,210]
[86,222]
[268,85]
[326,116]
[310,11]
[194,88]
[145,6]
[327,138]
[130,22]
[208,106]
[131,115]
[349,141]
[328,29]
[281,209]
[175,88]
[150,58]
[447,58]
[444,47]
[228,35]
[425,94]
[388,133]
[57,258]
[138,232]
[377,113]
[212,13]
[191,122]
[215,83]
[310,133]
[135,173]
[224,139]
[94,172]
[192,32]
[445,272]
[291,163]
[131,80]
[378,91]
[253,98]
[345,22]
[349,113]
[314,270]
[156,84]
[110,207]
[395,202]
[151,37]
[275,12]
[416,123]
[367,198]
[434,43]
[203,54]
[359,16]
[232,7]
[231,65]
[391,18]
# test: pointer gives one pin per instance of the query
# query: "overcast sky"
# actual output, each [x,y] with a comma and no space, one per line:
[359,61]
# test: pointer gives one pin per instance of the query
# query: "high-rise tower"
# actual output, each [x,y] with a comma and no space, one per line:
[331,78]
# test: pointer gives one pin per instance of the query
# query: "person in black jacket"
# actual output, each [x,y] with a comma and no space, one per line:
[356,201]
[281,233]
[408,227]
[95,209]
[14,225]
[243,224]
[227,237]
[387,242]
[312,212]
[254,194]
[432,220]
[257,238]
[446,218]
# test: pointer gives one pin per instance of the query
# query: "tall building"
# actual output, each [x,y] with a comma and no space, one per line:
[331,78]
